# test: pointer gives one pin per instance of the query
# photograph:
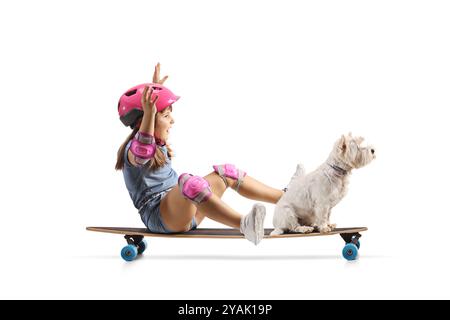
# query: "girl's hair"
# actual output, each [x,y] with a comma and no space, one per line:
[156,162]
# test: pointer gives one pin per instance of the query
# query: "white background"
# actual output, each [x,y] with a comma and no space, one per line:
[264,85]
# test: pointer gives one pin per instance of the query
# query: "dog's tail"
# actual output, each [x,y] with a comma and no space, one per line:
[298,173]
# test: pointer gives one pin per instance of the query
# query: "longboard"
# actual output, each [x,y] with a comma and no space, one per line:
[137,245]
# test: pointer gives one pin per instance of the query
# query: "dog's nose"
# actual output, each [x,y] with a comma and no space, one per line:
[372,150]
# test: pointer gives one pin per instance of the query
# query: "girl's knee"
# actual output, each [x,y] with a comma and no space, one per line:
[194,188]
[232,176]
[220,183]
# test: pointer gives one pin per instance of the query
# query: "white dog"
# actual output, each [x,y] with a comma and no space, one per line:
[308,201]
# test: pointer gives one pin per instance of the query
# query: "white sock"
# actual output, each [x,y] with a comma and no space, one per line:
[252,224]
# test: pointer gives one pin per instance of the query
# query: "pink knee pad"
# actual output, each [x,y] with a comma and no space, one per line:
[194,188]
[230,171]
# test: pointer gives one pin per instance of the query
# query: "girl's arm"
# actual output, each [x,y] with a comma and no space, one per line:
[146,131]
[143,146]
[149,107]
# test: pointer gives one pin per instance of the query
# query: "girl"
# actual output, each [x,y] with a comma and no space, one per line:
[169,203]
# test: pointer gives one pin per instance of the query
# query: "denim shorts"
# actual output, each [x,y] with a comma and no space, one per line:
[151,216]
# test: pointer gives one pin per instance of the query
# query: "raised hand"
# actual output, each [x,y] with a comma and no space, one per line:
[156,78]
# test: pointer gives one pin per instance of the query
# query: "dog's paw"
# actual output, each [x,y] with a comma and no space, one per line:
[324,229]
[332,226]
[303,229]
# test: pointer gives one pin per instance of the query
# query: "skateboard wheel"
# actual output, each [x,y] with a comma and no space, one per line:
[350,251]
[129,252]
[142,246]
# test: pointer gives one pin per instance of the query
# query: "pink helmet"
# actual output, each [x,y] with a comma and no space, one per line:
[130,107]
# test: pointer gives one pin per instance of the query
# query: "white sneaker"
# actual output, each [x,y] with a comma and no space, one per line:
[252,225]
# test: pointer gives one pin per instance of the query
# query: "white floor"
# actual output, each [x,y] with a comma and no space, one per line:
[305,268]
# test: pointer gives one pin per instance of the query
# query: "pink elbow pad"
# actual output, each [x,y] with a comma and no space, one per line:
[143,147]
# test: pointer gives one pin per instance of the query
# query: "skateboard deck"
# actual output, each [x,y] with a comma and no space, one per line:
[137,244]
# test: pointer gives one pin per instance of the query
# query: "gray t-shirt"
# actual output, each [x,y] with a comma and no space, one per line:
[142,183]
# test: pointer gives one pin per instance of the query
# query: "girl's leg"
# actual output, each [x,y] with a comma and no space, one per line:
[176,219]
[245,185]
[177,212]
[255,190]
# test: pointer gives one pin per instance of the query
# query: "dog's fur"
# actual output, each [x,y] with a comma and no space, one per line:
[308,201]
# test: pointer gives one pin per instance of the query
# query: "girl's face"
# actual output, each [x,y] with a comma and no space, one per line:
[163,123]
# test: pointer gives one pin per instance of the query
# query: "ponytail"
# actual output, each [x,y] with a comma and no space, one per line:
[120,154]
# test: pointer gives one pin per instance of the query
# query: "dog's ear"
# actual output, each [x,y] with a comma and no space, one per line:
[359,140]
[343,143]
[350,134]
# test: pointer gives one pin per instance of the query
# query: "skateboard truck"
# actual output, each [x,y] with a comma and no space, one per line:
[133,240]
[351,237]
